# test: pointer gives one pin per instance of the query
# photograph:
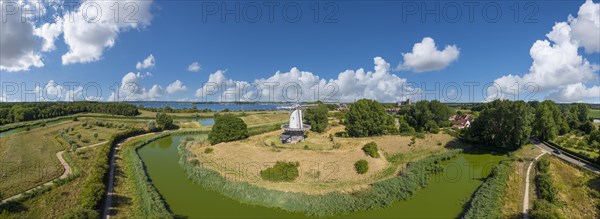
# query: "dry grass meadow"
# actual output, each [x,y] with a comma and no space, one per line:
[323,168]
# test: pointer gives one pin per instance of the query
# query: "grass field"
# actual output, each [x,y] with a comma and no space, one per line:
[29,158]
[57,202]
[578,190]
[323,168]
[594,113]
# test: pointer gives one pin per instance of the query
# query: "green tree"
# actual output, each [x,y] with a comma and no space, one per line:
[544,125]
[96,135]
[368,118]
[164,121]
[587,127]
[404,126]
[504,124]
[594,137]
[316,117]
[423,112]
[227,128]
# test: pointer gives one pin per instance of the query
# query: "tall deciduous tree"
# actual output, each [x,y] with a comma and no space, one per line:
[227,128]
[503,124]
[368,118]
[544,125]
[316,117]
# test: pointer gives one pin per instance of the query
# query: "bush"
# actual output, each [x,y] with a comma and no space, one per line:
[164,121]
[227,128]
[371,149]
[544,183]
[361,166]
[281,172]
[208,150]
[543,209]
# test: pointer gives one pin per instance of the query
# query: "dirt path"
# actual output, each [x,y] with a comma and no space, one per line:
[68,171]
[526,195]
[111,177]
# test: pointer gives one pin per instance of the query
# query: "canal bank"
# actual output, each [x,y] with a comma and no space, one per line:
[446,194]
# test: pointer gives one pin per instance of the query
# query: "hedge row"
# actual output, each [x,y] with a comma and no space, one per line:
[487,200]
[573,154]
[545,207]
[380,194]
[94,187]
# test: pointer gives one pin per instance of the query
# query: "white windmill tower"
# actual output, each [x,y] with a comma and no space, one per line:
[294,131]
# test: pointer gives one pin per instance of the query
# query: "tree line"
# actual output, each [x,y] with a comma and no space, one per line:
[20,112]
[509,124]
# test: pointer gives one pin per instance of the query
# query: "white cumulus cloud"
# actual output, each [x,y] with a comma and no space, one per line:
[194,67]
[18,46]
[586,26]
[557,66]
[87,39]
[350,85]
[147,63]
[176,87]
[426,57]
[132,90]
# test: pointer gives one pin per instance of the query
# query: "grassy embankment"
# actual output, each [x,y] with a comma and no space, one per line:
[578,190]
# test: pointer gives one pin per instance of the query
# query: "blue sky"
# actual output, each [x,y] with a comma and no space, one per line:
[176,35]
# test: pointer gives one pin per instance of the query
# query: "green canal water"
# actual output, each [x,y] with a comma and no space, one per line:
[444,197]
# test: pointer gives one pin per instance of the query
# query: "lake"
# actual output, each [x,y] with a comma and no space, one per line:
[444,197]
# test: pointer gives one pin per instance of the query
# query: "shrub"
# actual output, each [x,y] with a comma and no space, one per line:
[208,150]
[543,209]
[544,183]
[281,172]
[371,149]
[227,128]
[361,166]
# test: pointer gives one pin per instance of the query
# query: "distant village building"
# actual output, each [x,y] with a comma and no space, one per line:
[462,121]
[392,110]
[341,107]
[404,103]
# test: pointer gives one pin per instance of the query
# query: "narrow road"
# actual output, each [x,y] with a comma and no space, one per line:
[567,158]
[526,195]
[68,171]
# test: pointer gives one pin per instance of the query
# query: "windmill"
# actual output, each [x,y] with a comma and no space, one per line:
[294,131]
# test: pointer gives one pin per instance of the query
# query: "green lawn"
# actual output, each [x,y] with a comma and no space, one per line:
[594,113]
